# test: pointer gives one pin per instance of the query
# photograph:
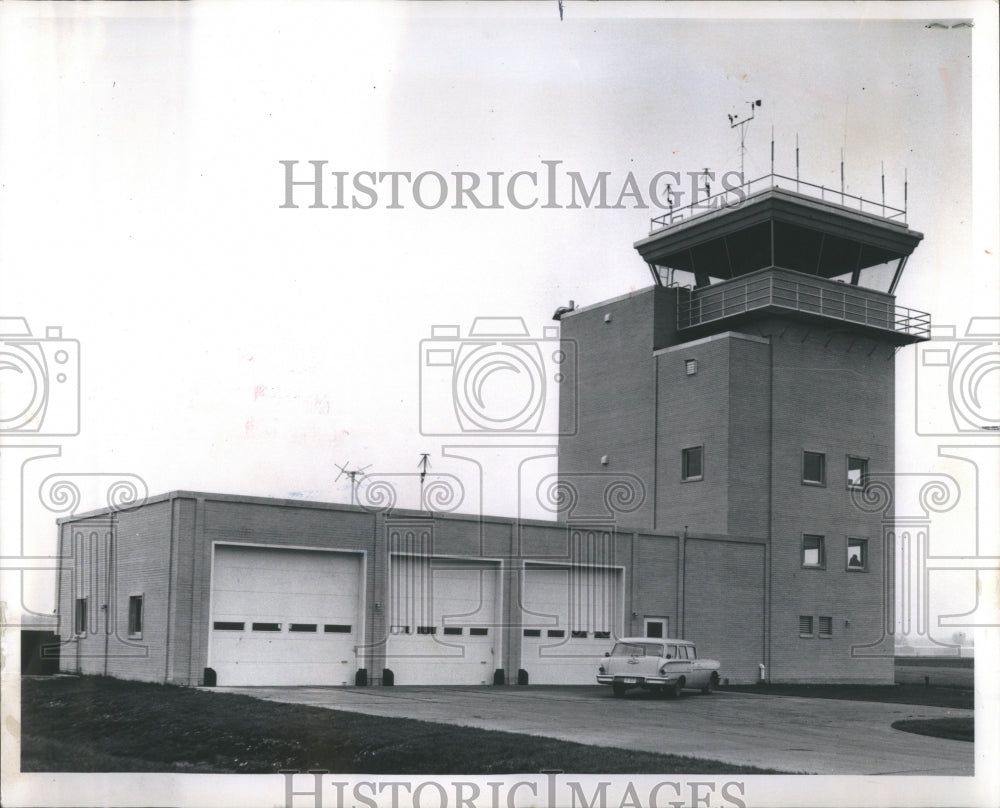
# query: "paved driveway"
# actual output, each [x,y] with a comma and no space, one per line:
[821,736]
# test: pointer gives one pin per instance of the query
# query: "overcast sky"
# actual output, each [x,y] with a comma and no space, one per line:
[230,345]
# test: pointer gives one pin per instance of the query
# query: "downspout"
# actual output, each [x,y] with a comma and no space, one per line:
[170,588]
[768,549]
[109,593]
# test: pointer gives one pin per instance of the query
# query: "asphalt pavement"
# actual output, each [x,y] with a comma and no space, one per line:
[788,733]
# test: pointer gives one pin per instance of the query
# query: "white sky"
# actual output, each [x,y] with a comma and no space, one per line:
[231,346]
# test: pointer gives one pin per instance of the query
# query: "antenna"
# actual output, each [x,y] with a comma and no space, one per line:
[734,121]
[353,475]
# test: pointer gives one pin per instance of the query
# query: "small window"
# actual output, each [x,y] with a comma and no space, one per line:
[426,629]
[478,632]
[555,632]
[814,468]
[690,367]
[80,616]
[305,628]
[812,552]
[135,616]
[578,635]
[857,555]
[343,628]
[227,625]
[532,632]
[805,625]
[671,652]
[825,626]
[452,630]
[691,466]
[857,472]
[266,626]
[602,635]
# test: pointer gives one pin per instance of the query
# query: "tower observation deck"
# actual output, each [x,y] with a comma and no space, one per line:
[808,253]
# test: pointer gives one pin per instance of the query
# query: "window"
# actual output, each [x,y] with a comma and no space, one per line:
[814,468]
[826,627]
[452,630]
[266,626]
[305,628]
[478,632]
[690,366]
[426,629]
[691,463]
[341,628]
[857,472]
[555,632]
[532,632]
[812,551]
[805,625]
[227,625]
[656,626]
[80,616]
[135,616]
[602,635]
[578,635]
[671,652]
[857,555]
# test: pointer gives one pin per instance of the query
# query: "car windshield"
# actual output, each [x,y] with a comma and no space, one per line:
[631,649]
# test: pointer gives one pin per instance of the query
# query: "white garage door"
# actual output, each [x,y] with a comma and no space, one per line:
[284,617]
[569,616]
[443,622]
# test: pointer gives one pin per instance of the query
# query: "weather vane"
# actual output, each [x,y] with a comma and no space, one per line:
[736,120]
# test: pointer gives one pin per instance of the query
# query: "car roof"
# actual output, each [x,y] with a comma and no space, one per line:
[655,639]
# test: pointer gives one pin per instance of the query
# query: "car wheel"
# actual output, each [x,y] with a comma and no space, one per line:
[713,682]
[676,688]
[618,689]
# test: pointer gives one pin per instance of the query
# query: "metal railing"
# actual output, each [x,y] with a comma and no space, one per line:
[826,299]
[734,197]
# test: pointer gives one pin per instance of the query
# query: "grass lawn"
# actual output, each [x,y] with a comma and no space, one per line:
[887,694]
[961,728]
[99,724]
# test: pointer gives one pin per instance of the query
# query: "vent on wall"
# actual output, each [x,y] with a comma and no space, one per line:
[690,366]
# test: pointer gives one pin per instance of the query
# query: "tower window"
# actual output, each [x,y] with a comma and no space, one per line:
[826,627]
[80,616]
[813,552]
[691,466]
[805,625]
[857,555]
[857,472]
[814,468]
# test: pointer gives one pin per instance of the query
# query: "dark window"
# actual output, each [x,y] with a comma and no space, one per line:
[426,629]
[341,628]
[304,627]
[532,632]
[602,635]
[266,626]
[579,635]
[805,625]
[857,472]
[80,616]
[813,551]
[479,632]
[654,628]
[555,632]
[135,615]
[452,629]
[814,468]
[691,463]
[825,626]
[226,625]
[857,554]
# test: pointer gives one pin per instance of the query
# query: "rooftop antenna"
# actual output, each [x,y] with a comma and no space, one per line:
[736,120]
[423,465]
[352,475]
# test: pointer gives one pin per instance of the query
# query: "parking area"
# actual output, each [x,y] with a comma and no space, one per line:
[815,736]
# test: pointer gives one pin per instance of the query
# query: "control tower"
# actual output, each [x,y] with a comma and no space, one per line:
[752,391]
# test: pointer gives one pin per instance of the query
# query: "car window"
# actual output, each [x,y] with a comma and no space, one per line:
[685,652]
[671,652]
[641,649]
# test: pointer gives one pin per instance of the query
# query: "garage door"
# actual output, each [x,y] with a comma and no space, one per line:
[284,617]
[568,617]
[443,621]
